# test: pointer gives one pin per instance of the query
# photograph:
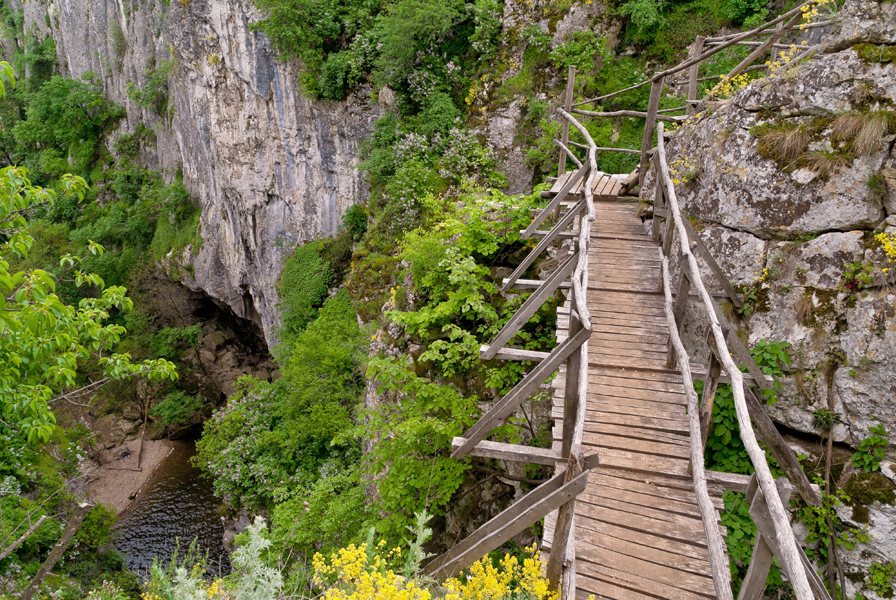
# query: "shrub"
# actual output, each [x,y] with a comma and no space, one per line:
[154,94]
[336,76]
[354,221]
[177,408]
[96,529]
[303,286]
[871,450]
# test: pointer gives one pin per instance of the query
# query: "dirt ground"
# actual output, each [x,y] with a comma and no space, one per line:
[117,481]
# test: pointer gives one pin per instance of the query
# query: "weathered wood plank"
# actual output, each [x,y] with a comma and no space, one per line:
[511,452]
[522,515]
[578,175]
[520,392]
[507,353]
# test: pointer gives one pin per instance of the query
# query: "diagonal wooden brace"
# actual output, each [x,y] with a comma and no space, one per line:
[534,506]
[553,204]
[530,307]
[523,390]
[546,241]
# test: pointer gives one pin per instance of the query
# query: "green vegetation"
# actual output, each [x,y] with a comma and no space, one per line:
[154,94]
[871,450]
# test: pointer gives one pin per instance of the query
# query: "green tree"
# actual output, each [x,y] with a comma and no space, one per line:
[43,340]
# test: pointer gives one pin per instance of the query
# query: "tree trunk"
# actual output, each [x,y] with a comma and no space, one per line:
[71,527]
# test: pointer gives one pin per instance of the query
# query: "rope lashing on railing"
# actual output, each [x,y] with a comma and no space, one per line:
[787,542]
[718,560]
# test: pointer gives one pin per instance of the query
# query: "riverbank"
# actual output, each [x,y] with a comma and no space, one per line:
[116,481]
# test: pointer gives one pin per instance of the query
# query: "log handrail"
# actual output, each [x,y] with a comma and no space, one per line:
[789,550]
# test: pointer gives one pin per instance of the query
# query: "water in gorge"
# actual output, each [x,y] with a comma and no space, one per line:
[175,504]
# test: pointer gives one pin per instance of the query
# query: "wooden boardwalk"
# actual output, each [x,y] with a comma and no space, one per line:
[638,531]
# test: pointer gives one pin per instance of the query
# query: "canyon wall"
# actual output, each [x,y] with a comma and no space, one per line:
[269,167]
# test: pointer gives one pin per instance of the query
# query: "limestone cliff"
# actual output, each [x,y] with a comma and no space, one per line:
[269,167]
[790,184]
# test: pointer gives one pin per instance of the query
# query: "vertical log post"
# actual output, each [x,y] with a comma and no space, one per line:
[692,74]
[710,387]
[571,406]
[656,90]
[681,304]
[659,202]
[564,137]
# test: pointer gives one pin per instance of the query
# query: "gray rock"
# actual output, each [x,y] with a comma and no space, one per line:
[214,340]
[820,263]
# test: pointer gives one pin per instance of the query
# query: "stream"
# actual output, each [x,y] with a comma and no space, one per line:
[176,504]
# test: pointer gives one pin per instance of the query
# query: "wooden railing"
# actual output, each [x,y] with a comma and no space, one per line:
[560,491]
[703,49]
[767,497]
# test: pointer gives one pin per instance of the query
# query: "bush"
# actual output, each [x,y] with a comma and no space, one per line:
[96,529]
[303,286]
[336,76]
[176,409]
[354,221]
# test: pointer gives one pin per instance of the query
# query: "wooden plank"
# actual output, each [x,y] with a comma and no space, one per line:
[521,515]
[546,241]
[635,433]
[532,284]
[623,419]
[507,353]
[531,306]
[640,575]
[560,182]
[654,488]
[668,567]
[520,392]
[682,530]
[642,446]
[563,235]
[643,462]
[511,452]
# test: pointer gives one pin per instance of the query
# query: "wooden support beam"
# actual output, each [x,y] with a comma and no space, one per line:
[658,205]
[508,353]
[530,306]
[710,386]
[534,506]
[523,390]
[511,452]
[563,235]
[656,91]
[546,241]
[531,284]
[518,453]
[761,561]
[567,105]
[681,305]
[692,73]
[780,450]
[570,185]
[765,528]
[707,257]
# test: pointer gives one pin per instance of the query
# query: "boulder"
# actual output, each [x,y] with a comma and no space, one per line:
[214,340]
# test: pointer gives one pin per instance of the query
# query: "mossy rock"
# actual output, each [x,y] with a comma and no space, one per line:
[865,489]
[871,54]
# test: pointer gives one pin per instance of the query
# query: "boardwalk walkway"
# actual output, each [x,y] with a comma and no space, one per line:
[638,530]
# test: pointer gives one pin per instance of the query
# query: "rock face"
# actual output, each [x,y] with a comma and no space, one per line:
[801,241]
[799,230]
[269,167]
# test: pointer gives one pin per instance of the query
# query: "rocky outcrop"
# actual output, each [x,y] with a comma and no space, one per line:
[800,237]
[269,167]
[792,203]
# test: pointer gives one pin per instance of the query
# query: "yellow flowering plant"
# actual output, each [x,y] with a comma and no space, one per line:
[372,572]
